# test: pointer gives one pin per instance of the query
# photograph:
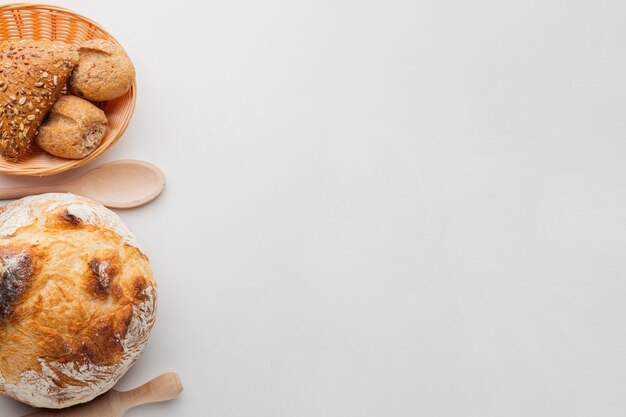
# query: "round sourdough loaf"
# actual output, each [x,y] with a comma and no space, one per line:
[77,300]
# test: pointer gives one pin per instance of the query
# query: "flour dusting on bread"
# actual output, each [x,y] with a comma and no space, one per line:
[77,300]
[36,386]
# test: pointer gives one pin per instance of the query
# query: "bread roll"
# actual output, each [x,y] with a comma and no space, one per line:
[32,74]
[73,129]
[104,71]
[77,300]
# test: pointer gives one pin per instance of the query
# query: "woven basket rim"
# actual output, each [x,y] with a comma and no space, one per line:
[61,165]
[47,7]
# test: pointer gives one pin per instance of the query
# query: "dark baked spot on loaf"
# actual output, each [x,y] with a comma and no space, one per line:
[100,341]
[86,351]
[139,286]
[16,271]
[102,346]
[69,218]
[124,318]
[53,343]
[103,272]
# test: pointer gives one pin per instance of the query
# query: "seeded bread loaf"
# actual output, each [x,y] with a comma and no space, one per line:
[77,300]
[73,128]
[104,71]
[32,75]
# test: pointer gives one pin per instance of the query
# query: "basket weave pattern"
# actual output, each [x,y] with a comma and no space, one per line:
[44,22]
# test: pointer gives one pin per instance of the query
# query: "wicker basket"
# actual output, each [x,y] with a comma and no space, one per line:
[44,22]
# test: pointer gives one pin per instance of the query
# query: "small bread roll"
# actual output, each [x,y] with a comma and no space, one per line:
[73,129]
[104,71]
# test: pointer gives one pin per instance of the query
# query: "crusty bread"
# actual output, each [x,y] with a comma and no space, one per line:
[73,129]
[104,71]
[77,300]
[32,75]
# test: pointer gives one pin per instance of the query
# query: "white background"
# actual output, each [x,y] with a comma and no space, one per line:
[381,208]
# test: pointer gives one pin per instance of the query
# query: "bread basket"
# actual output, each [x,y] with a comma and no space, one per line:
[45,22]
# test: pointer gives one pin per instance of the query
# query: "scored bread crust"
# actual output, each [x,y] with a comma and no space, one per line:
[32,75]
[77,300]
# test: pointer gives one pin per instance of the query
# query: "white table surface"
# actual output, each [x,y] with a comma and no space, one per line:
[381,208]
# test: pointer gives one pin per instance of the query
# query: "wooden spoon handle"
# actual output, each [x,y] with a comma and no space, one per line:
[162,388]
[19,192]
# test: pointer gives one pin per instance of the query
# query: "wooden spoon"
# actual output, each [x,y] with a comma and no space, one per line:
[115,403]
[119,184]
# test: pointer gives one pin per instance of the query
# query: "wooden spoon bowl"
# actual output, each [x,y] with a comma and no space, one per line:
[119,184]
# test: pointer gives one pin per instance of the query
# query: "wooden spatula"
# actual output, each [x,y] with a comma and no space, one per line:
[115,403]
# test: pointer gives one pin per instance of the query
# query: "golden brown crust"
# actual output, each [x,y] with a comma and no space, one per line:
[32,75]
[73,129]
[82,315]
[103,273]
[69,292]
[104,71]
